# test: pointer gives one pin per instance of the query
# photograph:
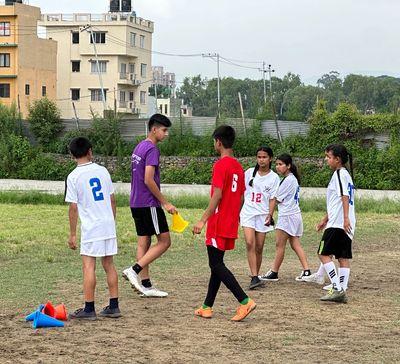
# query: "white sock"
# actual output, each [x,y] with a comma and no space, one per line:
[344,275]
[321,270]
[330,269]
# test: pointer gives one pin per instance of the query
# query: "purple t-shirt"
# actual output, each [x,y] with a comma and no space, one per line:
[145,154]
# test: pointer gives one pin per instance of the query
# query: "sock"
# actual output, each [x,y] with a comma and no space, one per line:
[321,270]
[146,283]
[89,306]
[205,306]
[245,301]
[330,269]
[344,275]
[114,302]
[137,268]
[306,272]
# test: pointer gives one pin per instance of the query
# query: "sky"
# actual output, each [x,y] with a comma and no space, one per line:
[305,37]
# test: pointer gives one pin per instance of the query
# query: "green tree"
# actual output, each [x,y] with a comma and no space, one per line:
[45,121]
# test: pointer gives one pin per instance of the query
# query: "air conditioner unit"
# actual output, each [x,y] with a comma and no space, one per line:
[136,82]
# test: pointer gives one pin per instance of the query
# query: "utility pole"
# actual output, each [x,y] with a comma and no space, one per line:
[155,94]
[265,91]
[269,70]
[88,27]
[216,55]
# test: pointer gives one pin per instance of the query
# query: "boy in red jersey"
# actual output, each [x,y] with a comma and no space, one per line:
[222,217]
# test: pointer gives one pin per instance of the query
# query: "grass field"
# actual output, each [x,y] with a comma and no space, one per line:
[289,325]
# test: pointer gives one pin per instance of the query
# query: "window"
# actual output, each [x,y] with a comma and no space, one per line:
[166,109]
[133,39]
[4,59]
[102,67]
[123,68]
[142,41]
[99,37]
[44,91]
[27,89]
[75,94]
[131,94]
[5,28]
[76,66]
[122,96]
[131,68]
[143,70]
[95,95]
[4,90]
[142,97]
[75,37]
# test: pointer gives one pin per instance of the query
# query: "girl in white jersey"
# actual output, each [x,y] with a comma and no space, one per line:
[261,186]
[290,223]
[339,223]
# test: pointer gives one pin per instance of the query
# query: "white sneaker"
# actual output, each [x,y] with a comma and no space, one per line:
[302,275]
[130,275]
[329,287]
[153,292]
[314,278]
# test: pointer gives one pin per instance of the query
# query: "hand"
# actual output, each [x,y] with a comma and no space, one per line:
[196,229]
[320,226]
[72,242]
[170,208]
[269,220]
[346,225]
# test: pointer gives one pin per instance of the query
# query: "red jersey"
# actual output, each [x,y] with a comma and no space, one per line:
[228,175]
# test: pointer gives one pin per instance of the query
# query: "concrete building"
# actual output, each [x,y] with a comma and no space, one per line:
[27,63]
[123,44]
[173,107]
[163,78]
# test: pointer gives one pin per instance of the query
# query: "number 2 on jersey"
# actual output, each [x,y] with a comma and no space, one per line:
[96,189]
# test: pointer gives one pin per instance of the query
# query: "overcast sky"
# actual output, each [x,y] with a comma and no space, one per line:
[306,37]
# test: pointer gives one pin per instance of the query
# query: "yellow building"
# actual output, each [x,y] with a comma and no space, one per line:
[27,63]
[101,52]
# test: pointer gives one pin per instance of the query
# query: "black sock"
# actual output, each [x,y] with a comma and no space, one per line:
[114,302]
[89,306]
[137,268]
[307,272]
[146,283]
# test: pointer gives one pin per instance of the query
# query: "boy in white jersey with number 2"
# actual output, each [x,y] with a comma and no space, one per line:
[90,192]
[339,223]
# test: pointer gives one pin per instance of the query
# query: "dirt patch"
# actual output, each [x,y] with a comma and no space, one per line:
[289,325]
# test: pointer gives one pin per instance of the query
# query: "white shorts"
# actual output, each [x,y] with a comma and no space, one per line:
[100,248]
[255,222]
[292,224]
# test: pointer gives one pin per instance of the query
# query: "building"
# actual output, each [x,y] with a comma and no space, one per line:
[163,79]
[27,63]
[122,68]
[173,107]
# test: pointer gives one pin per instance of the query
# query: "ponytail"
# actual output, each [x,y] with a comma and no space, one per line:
[340,151]
[287,159]
[256,168]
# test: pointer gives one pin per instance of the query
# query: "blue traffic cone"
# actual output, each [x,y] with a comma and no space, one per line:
[42,320]
[31,316]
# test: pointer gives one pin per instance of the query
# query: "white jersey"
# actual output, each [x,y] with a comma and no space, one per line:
[340,185]
[89,186]
[257,197]
[288,196]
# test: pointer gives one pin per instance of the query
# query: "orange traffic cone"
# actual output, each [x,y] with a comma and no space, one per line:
[178,223]
[49,309]
[61,312]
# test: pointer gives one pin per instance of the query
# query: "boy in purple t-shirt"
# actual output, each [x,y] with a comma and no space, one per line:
[146,206]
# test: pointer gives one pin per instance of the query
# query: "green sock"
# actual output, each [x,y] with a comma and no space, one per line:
[245,301]
[205,306]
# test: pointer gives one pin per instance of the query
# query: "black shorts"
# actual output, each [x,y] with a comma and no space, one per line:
[149,220]
[335,242]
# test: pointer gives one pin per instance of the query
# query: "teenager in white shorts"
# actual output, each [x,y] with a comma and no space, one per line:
[90,192]
[261,186]
[290,223]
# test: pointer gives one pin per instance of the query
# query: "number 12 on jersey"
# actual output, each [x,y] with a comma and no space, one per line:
[96,189]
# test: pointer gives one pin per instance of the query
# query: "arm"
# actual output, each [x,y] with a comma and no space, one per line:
[152,186]
[212,205]
[272,204]
[346,220]
[321,225]
[113,205]
[73,222]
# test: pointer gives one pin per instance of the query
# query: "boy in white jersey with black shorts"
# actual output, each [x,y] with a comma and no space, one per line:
[90,192]
[339,223]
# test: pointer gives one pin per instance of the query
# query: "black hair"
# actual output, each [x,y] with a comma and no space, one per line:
[340,151]
[267,150]
[158,120]
[226,135]
[80,146]
[287,159]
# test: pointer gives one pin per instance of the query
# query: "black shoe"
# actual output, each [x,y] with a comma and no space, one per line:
[110,312]
[270,276]
[256,282]
[81,314]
